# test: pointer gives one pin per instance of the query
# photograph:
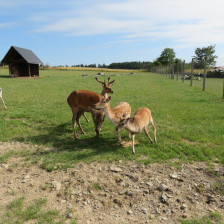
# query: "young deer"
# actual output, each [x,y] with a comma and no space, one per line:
[115,114]
[81,101]
[2,98]
[137,123]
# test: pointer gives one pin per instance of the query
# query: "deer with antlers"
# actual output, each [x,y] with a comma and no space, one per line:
[115,114]
[81,101]
[137,124]
[2,98]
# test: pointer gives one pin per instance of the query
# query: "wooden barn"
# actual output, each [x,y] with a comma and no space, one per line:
[22,62]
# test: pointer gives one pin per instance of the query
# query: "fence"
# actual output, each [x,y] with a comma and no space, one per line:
[184,72]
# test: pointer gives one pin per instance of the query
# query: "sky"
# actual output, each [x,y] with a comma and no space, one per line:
[72,32]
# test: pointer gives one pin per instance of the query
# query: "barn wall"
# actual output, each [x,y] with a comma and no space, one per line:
[23,70]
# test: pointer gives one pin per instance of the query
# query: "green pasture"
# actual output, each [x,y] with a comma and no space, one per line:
[190,122]
[212,85]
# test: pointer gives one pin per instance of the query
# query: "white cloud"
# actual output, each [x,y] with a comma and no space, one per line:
[185,21]
[5,25]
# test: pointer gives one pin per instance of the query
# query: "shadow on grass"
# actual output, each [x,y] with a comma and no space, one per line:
[4,76]
[84,148]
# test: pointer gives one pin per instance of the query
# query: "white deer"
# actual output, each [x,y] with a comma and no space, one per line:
[2,98]
[115,114]
[137,124]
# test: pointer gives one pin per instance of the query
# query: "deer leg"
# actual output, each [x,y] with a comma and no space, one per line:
[133,143]
[3,103]
[98,124]
[74,125]
[79,114]
[119,136]
[147,133]
[98,118]
[85,117]
[154,130]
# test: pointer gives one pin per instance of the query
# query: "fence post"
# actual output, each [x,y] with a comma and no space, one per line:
[223,90]
[205,71]
[172,71]
[177,70]
[183,70]
[192,68]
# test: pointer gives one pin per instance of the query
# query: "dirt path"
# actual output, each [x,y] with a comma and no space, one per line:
[114,193]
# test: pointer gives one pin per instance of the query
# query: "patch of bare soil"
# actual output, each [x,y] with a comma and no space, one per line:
[114,193]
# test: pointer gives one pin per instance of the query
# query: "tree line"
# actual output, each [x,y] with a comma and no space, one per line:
[119,65]
[167,57]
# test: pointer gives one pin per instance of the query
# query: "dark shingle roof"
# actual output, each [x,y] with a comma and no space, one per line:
[26,54]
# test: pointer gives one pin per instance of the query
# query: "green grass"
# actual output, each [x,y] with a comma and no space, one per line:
[189,121]
[212,85]
[19,212]
[212,218]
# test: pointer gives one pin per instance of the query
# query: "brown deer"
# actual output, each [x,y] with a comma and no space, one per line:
[81,101]
[2,98]
[137,123]
[115,114]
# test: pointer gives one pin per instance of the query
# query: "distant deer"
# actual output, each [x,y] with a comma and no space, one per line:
[2,98]
[81,101]
[115,114]
[137,123]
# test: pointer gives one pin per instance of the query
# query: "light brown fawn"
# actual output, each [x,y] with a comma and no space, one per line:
[2,98]
[81,101]
[137,123]
[115,114]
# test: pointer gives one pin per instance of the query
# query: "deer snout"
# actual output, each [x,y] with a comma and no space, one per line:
[95,107]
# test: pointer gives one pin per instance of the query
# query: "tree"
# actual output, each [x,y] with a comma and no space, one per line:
[167,56]
[202,53]
[178,61]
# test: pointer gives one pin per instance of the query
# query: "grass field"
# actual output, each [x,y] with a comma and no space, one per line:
[189,121]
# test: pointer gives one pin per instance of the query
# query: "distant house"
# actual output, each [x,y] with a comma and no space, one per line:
[22,62]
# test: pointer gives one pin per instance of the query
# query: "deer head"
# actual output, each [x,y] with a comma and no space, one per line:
[107,87]
[102,103]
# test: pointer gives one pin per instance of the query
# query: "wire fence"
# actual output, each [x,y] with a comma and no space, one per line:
[195,77]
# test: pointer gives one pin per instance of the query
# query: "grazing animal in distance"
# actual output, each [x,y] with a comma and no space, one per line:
[115,114]
[137,124]
[81,101]
[2,98]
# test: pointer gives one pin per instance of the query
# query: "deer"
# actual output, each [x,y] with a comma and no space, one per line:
[137,123]
[114,115]
[2,98]
[81,101]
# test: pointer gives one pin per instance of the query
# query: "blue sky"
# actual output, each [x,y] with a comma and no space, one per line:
[71,32]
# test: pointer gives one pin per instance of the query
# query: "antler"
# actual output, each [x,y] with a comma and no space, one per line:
[100,81]
[109,81]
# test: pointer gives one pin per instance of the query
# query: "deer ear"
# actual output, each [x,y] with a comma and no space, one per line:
[109,99]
